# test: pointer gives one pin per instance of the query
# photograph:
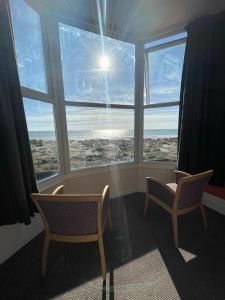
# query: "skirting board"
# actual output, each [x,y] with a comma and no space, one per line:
[123,193]
[214,203]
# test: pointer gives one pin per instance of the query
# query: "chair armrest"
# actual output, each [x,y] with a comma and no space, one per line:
[160,190]
[58,190]
[179,175]
[105,205]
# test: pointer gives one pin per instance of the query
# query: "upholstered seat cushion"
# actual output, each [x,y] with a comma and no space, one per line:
[173,186]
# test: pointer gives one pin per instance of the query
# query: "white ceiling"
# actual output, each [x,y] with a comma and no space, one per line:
[139,18]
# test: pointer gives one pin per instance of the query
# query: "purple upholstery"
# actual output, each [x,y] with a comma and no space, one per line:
[179,175]
[191,192]
[70,217]
[159,191]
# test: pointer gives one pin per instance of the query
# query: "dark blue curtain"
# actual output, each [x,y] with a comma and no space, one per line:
[202,113]
[17,178]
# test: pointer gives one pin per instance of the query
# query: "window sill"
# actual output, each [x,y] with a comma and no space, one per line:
[101,169]
[60,179]
[158,165]
[49,182]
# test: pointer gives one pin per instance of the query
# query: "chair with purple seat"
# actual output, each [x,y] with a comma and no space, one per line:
[178,198]
[74,218]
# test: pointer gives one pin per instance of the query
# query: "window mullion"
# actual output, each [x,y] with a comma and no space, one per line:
[46,54]
[33,94]
[139,89]
[166,45]
[58,93]
[162,104]
[100,105]
[146,78]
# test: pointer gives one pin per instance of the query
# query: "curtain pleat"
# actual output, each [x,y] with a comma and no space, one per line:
[17,177]
[202,113]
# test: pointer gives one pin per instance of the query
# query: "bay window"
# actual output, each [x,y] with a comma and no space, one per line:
[78,92]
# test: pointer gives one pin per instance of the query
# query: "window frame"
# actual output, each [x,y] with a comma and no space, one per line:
[47,97]
[148,104]
[54,27]
[49,24]
[146,71]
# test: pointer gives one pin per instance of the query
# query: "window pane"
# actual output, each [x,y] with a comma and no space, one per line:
[41,128]
[28,43]
[160,134]
[100,136]
[93,75]
[165,70]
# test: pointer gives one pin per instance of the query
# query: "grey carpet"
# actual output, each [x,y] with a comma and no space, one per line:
[142,260]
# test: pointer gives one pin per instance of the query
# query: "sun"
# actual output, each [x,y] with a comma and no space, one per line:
[104,63]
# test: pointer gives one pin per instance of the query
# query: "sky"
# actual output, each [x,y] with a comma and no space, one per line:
[93,74]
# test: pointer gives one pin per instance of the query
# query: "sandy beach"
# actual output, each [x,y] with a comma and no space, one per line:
[160,149]
[95,152]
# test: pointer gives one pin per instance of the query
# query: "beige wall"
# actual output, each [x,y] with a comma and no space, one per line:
[166,175]
[121,182]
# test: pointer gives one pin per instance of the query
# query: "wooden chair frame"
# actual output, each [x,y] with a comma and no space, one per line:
[174,211]
[57,194]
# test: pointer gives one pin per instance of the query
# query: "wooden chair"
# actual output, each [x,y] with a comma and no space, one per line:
[178,198]
[74,218]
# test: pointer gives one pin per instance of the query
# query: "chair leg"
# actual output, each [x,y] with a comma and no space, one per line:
[203,215]
[102,256]
[175,229]
[109,219]
[146,204]
[44,256]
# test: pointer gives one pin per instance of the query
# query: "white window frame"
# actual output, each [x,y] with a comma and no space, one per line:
[49,96]
[148,105]
[54,44]
[55,94]
[55,91]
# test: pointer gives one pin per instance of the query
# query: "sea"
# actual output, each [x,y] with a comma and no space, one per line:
[105,134]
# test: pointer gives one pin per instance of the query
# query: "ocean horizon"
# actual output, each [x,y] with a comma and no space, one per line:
[105,134]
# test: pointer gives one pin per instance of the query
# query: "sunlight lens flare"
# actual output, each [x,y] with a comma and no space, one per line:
[104,63]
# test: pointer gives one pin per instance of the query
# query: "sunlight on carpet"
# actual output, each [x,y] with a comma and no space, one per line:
[187,256]
[144,278]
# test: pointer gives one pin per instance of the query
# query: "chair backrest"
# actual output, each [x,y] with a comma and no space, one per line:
[190,189]
[71,214]
[179,175]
